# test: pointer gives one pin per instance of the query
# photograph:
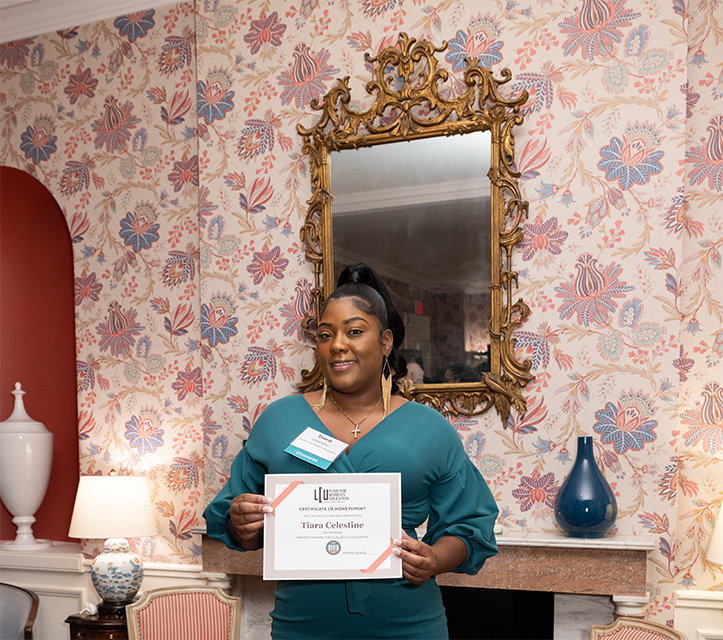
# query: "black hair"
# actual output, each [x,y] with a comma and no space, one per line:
[369,294]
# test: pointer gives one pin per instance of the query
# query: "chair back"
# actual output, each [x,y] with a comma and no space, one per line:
[18,611]
[634,629]
[184,613]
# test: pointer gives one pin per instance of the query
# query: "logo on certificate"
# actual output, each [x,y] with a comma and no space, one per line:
[322,495]
[333,547]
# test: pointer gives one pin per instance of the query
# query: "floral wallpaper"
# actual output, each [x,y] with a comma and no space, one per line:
[191,279]
[104,116]
[696,293]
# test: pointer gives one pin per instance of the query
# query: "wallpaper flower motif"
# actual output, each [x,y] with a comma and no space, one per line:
[119,330]
[265,34]
[256,139]
[135,25]
[632,161]
[217,323]
[708,161]
[537,490]
[38,141]
[138,228]
[143,432]
[81,85]
[214,97]
[542,235]
[705,426]
[308,78]
[481,44]
[626,424]
[177,53]
[267,263]
[595,28]
[113,128]
[590,294]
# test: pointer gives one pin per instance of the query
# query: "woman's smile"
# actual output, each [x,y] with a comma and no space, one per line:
[343,365]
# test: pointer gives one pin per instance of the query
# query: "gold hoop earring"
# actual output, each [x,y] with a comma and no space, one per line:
[386,385]
[322,401]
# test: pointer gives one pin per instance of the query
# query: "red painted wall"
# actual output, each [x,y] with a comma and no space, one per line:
[37,336]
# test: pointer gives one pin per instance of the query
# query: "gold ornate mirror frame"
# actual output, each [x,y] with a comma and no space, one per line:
[409,106]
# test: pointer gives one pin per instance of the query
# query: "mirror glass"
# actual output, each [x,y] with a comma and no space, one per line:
[418,212]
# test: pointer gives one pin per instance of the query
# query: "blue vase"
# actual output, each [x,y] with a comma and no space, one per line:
[585,506]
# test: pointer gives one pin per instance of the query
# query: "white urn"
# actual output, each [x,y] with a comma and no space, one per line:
[26,457]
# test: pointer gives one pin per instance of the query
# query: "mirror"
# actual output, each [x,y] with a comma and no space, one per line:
[421,186]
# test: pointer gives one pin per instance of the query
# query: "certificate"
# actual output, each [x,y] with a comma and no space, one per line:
[332,526]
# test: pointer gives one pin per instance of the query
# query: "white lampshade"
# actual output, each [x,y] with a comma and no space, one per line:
[715,550]
[112,507]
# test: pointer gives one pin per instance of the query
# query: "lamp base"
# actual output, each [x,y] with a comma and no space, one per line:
[114,609]
[117,573]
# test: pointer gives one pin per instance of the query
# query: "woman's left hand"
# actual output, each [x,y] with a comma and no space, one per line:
[420,561]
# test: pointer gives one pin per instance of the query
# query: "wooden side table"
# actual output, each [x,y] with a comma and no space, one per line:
[98,627]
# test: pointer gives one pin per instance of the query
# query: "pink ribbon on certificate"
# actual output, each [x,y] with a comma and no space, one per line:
[283,495]
[385,554]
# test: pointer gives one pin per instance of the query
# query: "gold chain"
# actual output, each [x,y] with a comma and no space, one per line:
[356,429]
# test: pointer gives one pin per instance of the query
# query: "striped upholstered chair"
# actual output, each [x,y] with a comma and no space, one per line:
[634,629]
[184,613]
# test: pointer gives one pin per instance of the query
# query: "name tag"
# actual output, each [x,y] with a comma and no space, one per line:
[316,448]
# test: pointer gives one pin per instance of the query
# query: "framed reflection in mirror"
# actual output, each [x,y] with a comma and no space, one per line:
[424,190]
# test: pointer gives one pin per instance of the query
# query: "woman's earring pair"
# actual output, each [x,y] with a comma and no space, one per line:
[386,389]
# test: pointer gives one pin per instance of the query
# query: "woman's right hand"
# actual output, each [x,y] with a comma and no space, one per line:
[247,519]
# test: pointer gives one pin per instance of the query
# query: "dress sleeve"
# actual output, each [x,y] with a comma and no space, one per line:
[462,506]
[247,476]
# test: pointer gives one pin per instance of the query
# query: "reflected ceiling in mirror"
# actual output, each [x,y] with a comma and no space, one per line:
[371,214]
[417,211]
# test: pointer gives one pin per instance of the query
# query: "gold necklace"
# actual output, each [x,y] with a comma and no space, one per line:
[356,429]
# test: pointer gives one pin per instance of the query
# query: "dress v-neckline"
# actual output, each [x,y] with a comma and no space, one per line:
[349,448]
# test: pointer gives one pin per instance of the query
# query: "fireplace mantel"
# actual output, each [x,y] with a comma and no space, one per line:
[614,566]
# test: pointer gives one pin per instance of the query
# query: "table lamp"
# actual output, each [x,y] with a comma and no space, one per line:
[114,508]
[715,549]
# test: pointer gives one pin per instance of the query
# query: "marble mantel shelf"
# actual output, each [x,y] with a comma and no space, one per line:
[614,565]
[544,539]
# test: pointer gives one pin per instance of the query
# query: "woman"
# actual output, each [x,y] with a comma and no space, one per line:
[358,341]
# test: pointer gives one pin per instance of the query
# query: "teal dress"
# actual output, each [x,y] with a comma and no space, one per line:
[439,483]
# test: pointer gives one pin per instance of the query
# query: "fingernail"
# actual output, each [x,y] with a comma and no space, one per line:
[397,551]
[267,509]
[398,543]
[267,499]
